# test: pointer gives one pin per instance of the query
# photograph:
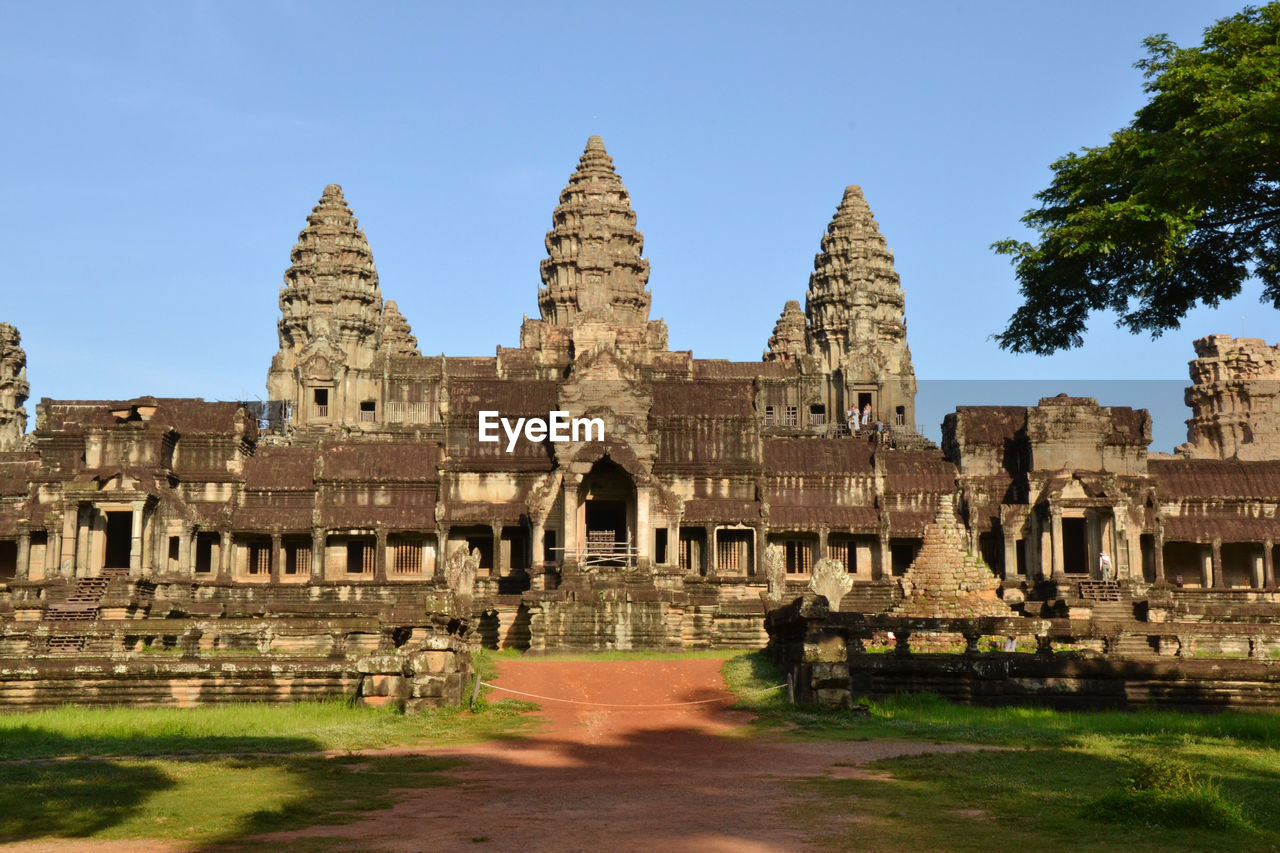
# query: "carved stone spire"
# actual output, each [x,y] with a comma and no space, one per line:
[594,263]
[331,320]
[13,389]
[397,337]
[787,342]
[331,290]
[855,313]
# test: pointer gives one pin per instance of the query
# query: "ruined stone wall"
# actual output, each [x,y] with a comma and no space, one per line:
[1234,399]
[13,389]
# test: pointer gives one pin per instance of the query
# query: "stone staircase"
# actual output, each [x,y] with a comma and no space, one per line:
[1100,590]
[82,604]
[1114,610]
[1133,646]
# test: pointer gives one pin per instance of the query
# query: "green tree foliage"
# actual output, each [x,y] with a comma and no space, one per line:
[1180,208]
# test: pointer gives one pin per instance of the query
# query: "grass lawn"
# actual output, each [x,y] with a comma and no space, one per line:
[1046,781]
[219,773]
[1051,780]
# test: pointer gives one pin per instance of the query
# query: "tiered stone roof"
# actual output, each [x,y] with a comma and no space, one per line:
[331,289]
[397,336]
[947,579]
[855,302]
[788,340]
[13,388]
[1234,399]
[594,261]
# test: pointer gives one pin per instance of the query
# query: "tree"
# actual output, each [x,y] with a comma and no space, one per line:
[1180,208]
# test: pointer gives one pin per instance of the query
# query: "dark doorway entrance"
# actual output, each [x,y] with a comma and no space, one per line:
[607,517]
[119,539]
[1075,554]
[608,495]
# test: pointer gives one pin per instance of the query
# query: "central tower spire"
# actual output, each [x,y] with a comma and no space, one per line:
[857,327]
[593,294]
[594,261]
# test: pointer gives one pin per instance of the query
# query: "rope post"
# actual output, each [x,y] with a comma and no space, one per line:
[475,694]
[791,688]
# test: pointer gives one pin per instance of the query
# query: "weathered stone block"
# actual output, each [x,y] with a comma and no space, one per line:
[431,687]
[828,649]
[833,698]
[385,664]
[432,662]
[384,685]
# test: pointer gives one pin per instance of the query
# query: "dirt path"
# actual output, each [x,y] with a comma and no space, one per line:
[614,779]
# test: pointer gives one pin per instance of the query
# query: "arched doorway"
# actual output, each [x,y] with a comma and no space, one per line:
[607,515]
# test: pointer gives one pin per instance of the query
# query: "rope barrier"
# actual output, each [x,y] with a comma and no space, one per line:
[631,707]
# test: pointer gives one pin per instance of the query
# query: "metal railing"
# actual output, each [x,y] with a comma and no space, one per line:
[408,413]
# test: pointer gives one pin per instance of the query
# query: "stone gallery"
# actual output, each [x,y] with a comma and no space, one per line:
[355,533]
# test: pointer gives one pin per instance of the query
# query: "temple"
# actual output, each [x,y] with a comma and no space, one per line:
[362,488]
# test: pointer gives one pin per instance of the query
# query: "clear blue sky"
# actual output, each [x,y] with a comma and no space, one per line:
[161,158]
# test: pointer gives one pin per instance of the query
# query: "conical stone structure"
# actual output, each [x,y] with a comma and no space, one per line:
[593,295]
[855,311]
[788,341]
[397,337]
[13,389]
[947,579]
[332,287]
[331,322]
[594,261]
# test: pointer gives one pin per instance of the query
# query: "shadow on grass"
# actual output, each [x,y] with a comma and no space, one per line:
[203,789]
[1041,799]
[72,799]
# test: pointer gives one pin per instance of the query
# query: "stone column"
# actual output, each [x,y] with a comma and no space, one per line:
[23,570]
[317,553]
[1055,534]
[499,566]
[1257,570]
[1010,552]
[135,540]
[1159,549]
[570,528]
[276,569]
[185,550]
[442,549]
[710,557]
[644,549]
[823,532]
[885,568]
[675,543]
[53,554]
[1113,540]
[1268,565]
[84,539]
[380,556]
[1219,581]
[538,545]
[69,538]
[225,556]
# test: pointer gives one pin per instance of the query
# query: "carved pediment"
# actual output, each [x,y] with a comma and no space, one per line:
[320,360]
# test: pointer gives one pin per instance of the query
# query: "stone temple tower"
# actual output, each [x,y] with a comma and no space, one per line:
[857,329]
[594,278]
[332,323]
[13,389]
[788,340]
[1234,399]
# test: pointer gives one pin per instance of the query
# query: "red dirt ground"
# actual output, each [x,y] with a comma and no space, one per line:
[597,778]
[616,779]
